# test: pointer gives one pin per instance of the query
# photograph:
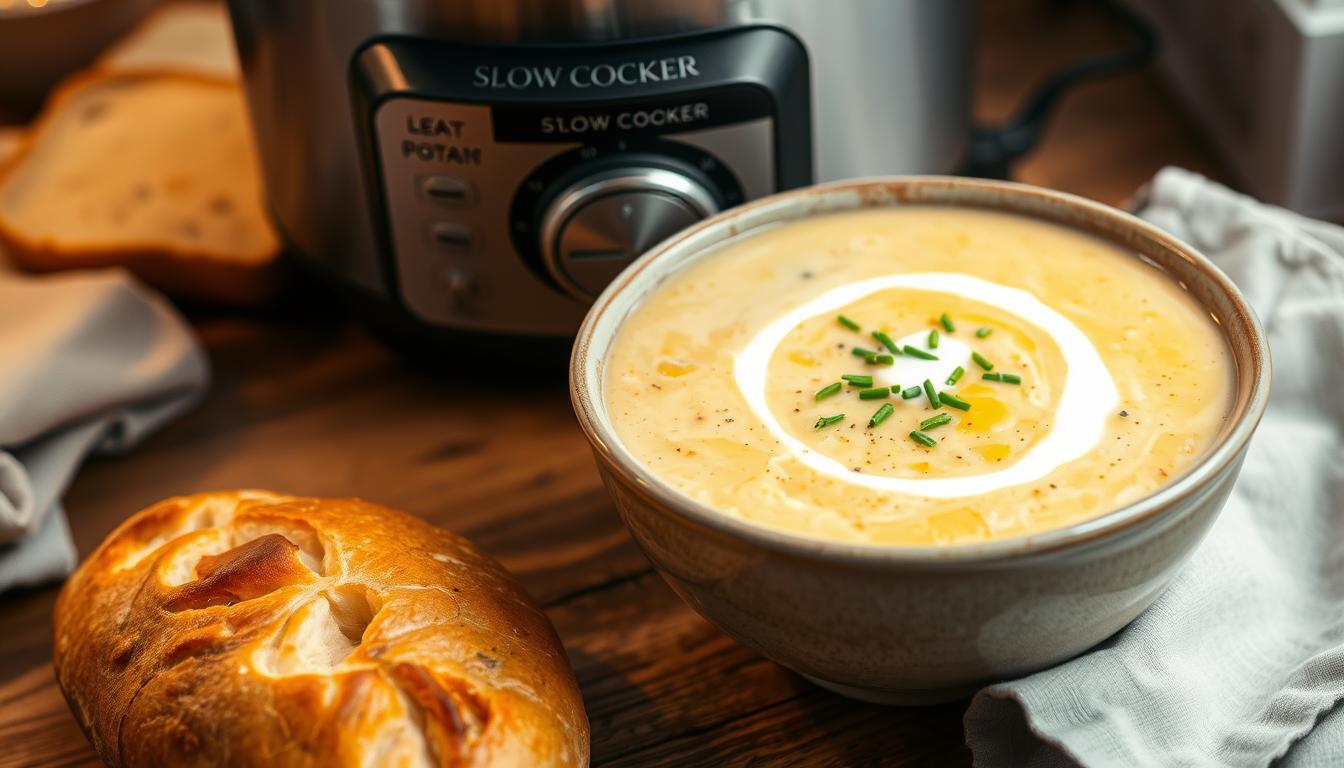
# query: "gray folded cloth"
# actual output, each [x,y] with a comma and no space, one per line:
[89,362]
[1240,662]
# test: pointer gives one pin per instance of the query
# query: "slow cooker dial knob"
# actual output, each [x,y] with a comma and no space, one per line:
[596,226]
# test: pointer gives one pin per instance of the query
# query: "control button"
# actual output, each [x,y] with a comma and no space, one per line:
[458,286]
[456,237]
[599,225]
[451,191]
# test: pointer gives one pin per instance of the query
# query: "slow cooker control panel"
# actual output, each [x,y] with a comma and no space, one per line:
[513,183]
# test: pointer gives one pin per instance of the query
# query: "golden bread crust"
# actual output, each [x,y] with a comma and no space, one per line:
[254,629]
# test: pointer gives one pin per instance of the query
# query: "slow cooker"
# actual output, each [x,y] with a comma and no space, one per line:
[486,167]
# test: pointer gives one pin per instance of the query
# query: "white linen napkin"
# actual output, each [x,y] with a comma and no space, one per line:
[1240,662]
[89,361]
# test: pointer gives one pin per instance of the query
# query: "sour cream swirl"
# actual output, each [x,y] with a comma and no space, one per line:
[1088,396]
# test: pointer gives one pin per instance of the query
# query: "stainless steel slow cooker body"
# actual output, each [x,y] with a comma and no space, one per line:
[447,161]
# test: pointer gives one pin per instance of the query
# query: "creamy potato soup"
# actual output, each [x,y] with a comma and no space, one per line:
[918,376]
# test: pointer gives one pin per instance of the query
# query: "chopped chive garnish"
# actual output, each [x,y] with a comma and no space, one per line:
[983,332]
[946,320]
[881,415]
[876,393]
[934,402]
[828,390]
[886,341]
[1007,378]
[981,361]
[858,379]
[895,389]
[923,439]
[935,421]
[953,401]
[881,360]
[861,352]
[826,421]
[910,393]
[933,339]
[992,377]
[956,376]
[845,321]
[921,354]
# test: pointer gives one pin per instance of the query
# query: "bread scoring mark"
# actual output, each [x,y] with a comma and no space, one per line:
[321,634]
[248,525]
[177,561]
[257,568]
[147,534]
[125,713]
[353,607]
[170,520]
[453,716]
[381,722]
[181,561]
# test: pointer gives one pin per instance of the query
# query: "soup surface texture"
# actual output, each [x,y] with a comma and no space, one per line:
[918,376]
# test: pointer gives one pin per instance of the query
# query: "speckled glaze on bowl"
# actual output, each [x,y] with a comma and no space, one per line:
[915,625]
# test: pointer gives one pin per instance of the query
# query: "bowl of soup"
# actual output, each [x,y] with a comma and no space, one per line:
[906,436]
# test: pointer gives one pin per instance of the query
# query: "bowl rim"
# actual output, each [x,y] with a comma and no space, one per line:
[1155,507]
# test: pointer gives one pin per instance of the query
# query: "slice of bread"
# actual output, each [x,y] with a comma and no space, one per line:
[186,37]
[154,172]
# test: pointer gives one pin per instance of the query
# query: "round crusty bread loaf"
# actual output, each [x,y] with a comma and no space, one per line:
[252,629]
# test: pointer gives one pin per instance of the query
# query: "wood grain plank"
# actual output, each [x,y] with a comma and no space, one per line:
[679,692]
[36,727]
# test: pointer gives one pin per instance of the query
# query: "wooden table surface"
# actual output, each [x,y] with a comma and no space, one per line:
[305,401]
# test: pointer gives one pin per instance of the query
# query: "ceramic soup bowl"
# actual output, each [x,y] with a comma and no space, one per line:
[913,625]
